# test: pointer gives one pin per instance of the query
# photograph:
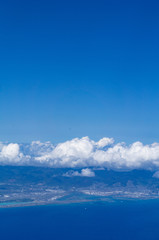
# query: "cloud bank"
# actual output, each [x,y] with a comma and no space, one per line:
[82,153]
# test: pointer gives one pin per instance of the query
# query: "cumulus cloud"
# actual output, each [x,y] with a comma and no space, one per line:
[10,153]
[105,142]
[82,153]
[86,172]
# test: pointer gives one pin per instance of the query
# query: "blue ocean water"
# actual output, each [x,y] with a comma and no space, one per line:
[97,221]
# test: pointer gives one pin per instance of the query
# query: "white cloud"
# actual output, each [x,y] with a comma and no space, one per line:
[105,142]
[10,153]
[82,153]
[70,153]
[86,172]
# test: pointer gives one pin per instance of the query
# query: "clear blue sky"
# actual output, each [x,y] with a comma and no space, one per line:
[76,68]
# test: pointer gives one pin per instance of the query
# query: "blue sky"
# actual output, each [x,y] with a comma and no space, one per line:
[79,68]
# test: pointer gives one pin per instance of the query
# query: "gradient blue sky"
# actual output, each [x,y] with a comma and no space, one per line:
[77,68]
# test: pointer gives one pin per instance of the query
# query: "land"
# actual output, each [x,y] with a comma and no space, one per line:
[29,186]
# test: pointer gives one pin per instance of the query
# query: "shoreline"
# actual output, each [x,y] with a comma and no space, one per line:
[109,200]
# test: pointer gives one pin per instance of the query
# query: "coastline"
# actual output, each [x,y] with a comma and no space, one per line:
[70,202]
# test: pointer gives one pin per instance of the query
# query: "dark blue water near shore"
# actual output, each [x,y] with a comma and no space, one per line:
[97,221]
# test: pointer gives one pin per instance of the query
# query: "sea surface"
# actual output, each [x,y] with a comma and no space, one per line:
[95,221]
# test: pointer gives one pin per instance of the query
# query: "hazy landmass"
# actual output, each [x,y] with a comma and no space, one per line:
[26,186]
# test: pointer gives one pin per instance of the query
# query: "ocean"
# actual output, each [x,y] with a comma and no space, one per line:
[125,220]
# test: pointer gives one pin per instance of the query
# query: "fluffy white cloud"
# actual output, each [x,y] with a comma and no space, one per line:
[105,142]
[83,153]
[86,172]
[10,153]
[70,153]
